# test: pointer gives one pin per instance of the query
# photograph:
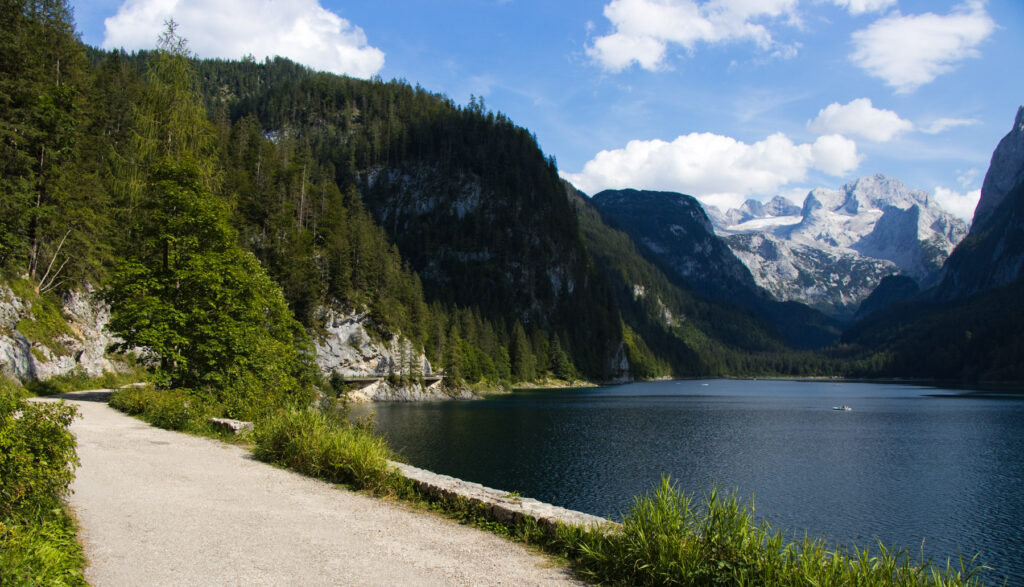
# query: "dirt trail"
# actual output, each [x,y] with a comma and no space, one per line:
[162,508]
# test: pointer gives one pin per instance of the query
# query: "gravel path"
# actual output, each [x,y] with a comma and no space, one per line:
[162,508]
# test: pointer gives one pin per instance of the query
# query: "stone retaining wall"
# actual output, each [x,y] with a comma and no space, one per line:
[500,505]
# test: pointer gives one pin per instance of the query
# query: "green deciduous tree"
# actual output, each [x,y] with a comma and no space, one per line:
[207,311]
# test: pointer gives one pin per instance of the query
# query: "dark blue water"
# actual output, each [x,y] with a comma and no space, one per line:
[909,465]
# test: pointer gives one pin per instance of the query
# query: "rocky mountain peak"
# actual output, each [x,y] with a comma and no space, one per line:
[1005,172]
[831,252]
[872,193]
[992,255]
[779,206]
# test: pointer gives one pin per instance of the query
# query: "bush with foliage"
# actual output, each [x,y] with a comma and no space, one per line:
[37,464]
[171,409]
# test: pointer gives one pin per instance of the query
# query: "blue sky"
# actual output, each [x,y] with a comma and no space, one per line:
[722,99]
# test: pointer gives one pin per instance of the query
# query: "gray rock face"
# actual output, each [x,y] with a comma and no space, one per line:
[992,255]
[348,349]
[84,349]
[827,279]
[834,250]
[1005,172]
[382,391]
[879,217]
[753,210]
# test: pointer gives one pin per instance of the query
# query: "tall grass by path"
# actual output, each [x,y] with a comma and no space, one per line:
[669,538]
[78,380]
[323,445]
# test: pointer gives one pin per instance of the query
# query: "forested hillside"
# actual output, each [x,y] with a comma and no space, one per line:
[93,195]
[468,198]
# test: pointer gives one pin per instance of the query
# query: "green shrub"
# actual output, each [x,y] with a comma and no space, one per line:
[11,389]
[131,400]
[176,409]
[37,454]
[41,551]
[37,462]
[320,445]
[172,409]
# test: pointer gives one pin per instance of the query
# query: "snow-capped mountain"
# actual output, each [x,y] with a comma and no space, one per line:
[830,279]
[833,252]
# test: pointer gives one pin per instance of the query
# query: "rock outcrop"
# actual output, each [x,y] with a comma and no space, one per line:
[1005,172]
[992,255]
[81,346]
[347,348]
[381,369]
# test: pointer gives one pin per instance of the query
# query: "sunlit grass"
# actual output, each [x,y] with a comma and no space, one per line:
[319,444]
[669,538]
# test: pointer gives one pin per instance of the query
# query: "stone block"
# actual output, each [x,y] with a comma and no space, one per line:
[234,426]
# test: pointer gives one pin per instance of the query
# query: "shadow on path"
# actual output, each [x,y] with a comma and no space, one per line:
[93,395]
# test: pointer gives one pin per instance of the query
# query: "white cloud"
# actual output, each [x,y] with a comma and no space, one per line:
[301,30]
[835,155]
[859,118]
[968,177]
[717,169]
[944,124]
[862,6]
[957,204]
[644,29]
[910,51]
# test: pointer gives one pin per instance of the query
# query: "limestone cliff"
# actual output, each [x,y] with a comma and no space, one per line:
[346,347]
[74,340]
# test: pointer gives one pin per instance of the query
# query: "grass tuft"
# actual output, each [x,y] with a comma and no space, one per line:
[319,444]
[79,380]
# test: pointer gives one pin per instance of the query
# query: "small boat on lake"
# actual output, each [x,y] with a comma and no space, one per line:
[843,408]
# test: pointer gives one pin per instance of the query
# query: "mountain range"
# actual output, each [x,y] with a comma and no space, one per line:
[833,251]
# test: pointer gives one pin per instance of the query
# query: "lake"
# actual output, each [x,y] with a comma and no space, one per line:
[908,465]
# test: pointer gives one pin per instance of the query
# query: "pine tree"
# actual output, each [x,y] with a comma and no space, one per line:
[45,210]
[524,365]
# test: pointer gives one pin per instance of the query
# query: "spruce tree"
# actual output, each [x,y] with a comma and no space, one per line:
[524,365]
